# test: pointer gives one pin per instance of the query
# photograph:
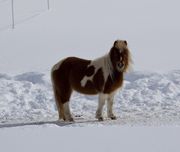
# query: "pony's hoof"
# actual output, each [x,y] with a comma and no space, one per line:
[69,120]
[113,117]
[100,119]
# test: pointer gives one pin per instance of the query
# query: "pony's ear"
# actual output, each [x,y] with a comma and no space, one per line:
[115,43]
[125,42]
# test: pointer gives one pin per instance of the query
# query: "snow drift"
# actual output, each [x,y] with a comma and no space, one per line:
[146,98]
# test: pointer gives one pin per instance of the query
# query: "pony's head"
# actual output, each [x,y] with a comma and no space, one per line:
[120,56]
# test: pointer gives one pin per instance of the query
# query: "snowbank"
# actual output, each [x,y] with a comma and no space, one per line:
[146,98]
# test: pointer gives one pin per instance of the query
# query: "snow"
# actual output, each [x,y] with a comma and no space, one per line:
[102,139]
[148,105]
[150,99]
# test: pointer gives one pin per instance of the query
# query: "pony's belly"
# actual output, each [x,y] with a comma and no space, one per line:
[89,88]
[88,92]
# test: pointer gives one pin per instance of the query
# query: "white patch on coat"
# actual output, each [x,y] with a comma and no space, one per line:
[103,62]
[67,112]
[121,58]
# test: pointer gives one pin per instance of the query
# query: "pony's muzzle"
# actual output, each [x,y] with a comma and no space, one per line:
[120,66]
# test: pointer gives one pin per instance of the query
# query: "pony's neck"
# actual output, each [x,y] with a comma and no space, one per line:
[105,63]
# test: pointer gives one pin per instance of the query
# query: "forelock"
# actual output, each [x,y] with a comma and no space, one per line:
[120,44]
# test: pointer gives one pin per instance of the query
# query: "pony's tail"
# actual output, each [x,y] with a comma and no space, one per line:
[57,97]
[59,105]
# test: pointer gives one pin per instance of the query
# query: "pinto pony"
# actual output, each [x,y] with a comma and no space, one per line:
[102,76]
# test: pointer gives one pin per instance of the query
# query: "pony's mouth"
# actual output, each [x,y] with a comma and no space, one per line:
[120,66]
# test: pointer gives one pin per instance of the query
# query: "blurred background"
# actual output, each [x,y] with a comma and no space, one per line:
[87,29]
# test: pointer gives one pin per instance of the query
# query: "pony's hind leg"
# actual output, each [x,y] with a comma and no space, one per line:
[59,105]
[62,93]
[65,92]
[62,102]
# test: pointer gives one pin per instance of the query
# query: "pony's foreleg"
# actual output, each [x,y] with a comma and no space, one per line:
[110,113]
[101,102]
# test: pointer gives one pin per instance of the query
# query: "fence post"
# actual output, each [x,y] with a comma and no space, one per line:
[48,5]
[12,9]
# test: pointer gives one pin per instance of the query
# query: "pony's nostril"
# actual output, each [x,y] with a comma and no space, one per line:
[120,65]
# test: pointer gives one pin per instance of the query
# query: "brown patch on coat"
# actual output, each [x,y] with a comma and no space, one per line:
[98,80]
[112,84]
[90,71]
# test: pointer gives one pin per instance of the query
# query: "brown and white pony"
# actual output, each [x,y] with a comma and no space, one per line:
[102,76]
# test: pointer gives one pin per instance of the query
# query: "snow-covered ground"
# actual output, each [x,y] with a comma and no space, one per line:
[145,99]
[88,139]
[148,110]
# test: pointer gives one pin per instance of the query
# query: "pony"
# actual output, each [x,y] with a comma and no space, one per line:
[102,76]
